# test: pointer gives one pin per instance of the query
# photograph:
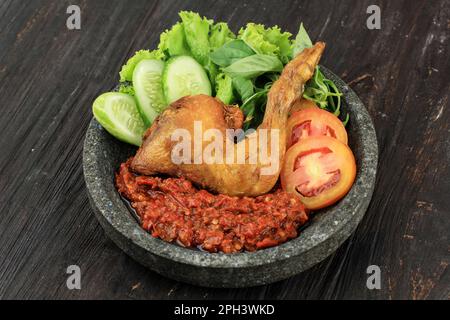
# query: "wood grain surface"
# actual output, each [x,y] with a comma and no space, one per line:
[50,75]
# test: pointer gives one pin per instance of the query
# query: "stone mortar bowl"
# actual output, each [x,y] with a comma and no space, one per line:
[327,230]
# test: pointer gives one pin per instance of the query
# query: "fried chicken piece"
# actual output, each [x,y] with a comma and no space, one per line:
[249,179]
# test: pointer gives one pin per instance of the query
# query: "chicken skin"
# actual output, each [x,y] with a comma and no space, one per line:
[226,174]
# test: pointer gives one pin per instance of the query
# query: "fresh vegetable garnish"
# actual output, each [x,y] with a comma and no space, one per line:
[244,88]
[173,42]
[119,115]
[197,31]
[127,89]
[183,76]
[235,69]
[302,41]
[231,52]
[126,74]
[220,34]
[253,66]
[319,170]
[147,80]
[303,104]
[324,93]
[251,106]
[224,89]
[270,41]
[319,89]
[314,122]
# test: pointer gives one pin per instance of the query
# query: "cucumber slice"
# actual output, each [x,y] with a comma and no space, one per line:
[147,84]
[119,115]
[183,76]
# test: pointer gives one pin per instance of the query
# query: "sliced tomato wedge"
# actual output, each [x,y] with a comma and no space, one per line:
[314,122]
[319,170]
[303,104]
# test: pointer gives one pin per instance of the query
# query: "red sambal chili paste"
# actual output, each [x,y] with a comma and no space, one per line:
[173,210]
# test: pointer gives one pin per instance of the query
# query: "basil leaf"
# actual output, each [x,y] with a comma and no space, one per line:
[254,66]
[250,102]
[231,52]
[254,107]
[244,87]
[302,41]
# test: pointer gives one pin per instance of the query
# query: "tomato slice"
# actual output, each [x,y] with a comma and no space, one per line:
[314,122]
[303,104]
[319,170]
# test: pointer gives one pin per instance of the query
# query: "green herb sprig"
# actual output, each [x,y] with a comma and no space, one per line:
[325,94]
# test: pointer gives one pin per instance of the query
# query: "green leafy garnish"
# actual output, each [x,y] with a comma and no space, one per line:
[197,30]
[324,93]
[282,41]
[220,35]
[347,119]
[224,88]
[244,88]
[254,107]
[126,74]
[302,41]
[231,52]
[269,41]
[242,68]
[319,89]
[127,89]
[254,66]
[173,42]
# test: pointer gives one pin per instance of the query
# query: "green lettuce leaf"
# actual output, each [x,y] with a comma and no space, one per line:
[224,88]
[283,41]
[126,74]
[212,70]
[127,89]
[173,42]
[269,41]
[220,35]
[197,30]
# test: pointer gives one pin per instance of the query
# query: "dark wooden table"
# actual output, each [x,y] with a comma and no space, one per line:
[50,75]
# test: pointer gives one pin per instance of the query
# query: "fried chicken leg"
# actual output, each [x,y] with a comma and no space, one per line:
[225,176]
